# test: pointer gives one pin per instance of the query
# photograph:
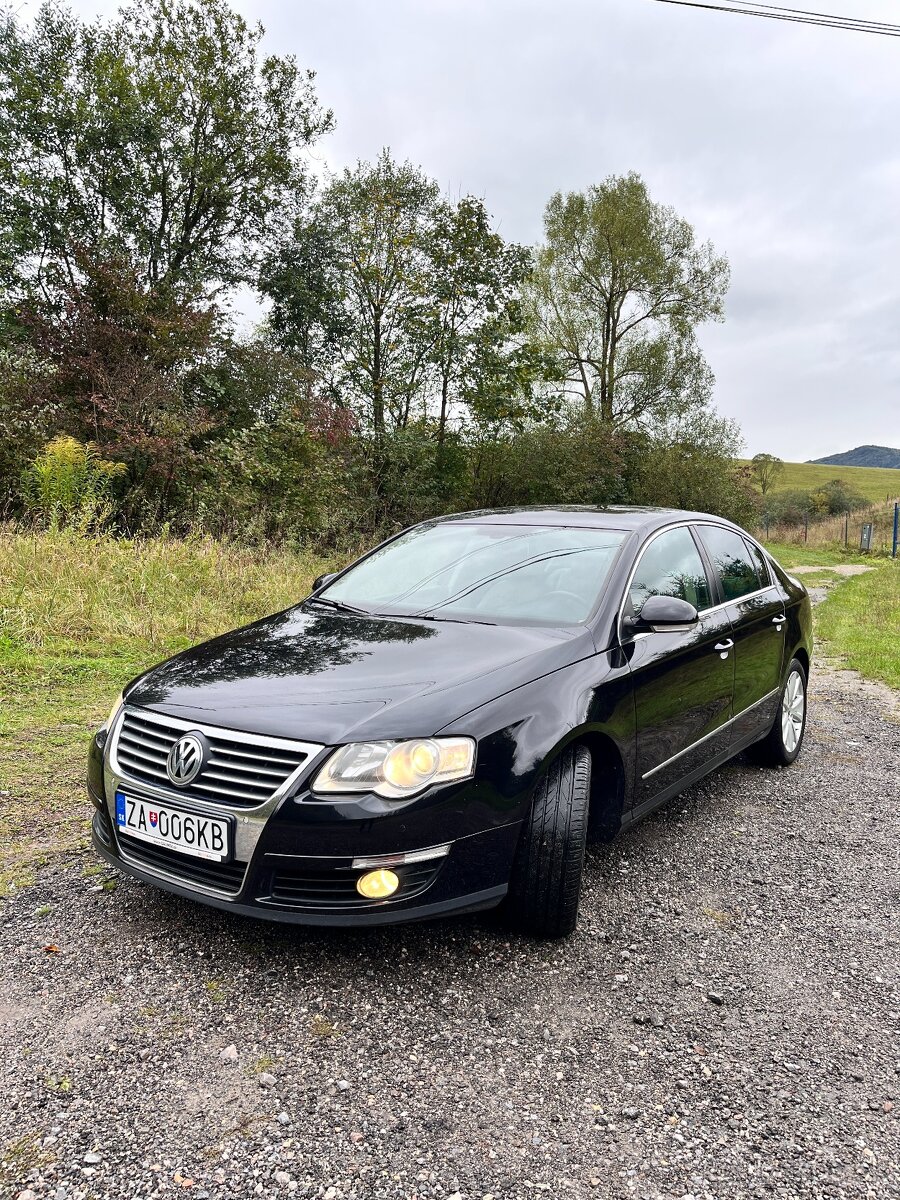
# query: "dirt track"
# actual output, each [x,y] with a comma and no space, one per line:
[724,1024]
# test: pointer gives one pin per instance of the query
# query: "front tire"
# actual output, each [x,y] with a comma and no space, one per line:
[784,741]
[545,886]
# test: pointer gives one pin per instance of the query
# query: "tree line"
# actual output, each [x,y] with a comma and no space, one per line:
[409,359]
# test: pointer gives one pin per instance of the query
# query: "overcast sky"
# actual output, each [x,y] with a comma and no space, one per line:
[779,143]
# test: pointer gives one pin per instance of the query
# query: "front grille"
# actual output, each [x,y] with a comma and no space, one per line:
[225,877]
[242,771]
[304,887]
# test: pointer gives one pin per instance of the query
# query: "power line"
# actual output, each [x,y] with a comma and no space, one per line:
[795,16]
[803,12]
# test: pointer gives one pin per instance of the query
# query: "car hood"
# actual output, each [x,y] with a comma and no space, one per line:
[331,678]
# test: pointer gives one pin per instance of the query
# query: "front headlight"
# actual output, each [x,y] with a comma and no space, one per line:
[396,770]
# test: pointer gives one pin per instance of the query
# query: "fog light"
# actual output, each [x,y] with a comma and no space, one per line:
[377,885]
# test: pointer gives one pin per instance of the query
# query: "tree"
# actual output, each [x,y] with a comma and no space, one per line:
[766,468]
[164,138]
[475,316]
[366,298]
[403,305]
[619,287]
[123,369]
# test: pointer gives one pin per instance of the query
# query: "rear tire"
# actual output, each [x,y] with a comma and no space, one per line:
[545,886]
[784,741]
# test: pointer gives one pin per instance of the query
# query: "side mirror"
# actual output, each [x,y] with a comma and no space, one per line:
[321,581]
[667,613]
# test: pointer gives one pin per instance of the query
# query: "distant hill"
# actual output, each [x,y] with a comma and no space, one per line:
[863,456]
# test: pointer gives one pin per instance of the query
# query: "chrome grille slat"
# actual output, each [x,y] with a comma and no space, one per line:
[145,747]
[126,751]
[240,754]
[240,772]
[217,789]
[246,768]
[146,737]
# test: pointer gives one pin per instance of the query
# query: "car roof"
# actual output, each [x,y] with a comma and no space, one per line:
[583,516]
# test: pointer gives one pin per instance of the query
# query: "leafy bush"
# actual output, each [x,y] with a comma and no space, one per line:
[69,484]
[836,496]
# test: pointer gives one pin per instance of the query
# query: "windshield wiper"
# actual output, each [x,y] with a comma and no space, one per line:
[431,616]
[339,606]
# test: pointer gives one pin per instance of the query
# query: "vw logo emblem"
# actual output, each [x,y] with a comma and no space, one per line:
[185,760]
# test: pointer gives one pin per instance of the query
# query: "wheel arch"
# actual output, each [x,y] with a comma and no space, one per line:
[608,779]
[802,656]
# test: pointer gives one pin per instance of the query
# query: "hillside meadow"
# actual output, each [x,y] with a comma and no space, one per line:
[877,484]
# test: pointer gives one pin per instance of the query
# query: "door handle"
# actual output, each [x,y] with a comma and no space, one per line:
[779,621]
[724,647]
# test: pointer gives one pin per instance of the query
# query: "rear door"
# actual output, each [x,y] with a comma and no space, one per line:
[683,679]
[755,608]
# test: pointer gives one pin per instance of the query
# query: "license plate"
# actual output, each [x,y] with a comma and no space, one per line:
[150,821]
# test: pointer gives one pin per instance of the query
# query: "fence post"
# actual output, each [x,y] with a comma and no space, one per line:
[847,528]
[806,529]
[896,528]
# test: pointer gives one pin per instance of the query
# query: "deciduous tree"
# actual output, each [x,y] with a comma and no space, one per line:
[164,137]
[619,288]
[766,468]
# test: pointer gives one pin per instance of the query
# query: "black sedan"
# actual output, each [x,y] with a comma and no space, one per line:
[441,726]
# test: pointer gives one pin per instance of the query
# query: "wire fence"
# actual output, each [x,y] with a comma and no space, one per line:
[843,529]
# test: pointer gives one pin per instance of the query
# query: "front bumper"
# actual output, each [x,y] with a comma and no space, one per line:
[294,864]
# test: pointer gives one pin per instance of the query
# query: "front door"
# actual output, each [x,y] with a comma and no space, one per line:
[755,607]
[683,680]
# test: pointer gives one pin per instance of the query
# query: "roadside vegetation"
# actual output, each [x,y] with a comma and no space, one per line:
[410,360]
[79,617]
[858,622]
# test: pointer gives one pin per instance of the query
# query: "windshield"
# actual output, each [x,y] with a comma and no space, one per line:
[495,573]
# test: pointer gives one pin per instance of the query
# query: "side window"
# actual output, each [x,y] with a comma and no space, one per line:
[731,561]
[671,566]
[762,567]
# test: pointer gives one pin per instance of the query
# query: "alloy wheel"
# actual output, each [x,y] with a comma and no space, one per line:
[793,710]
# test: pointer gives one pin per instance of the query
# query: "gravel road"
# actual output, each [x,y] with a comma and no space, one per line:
[724,1024]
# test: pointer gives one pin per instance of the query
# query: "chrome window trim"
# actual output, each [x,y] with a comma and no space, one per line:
[719,728]
[637,562]
[248,822]
[744,537]
[689,524]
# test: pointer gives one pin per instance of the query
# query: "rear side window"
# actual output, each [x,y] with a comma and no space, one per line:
[762,567]
[731,561]
[671,566]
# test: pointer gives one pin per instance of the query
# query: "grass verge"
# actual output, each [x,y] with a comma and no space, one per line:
[790,555]
[78,619]
[859,622]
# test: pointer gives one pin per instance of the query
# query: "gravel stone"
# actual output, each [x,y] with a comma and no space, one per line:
[478,1063]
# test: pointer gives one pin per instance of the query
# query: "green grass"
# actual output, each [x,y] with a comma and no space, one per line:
[815,556]
[875,483]
[78,619]
[859,622]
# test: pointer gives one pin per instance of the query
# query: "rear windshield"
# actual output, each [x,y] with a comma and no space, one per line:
[496,573]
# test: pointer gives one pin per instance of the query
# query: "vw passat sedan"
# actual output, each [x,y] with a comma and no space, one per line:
[442,725]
